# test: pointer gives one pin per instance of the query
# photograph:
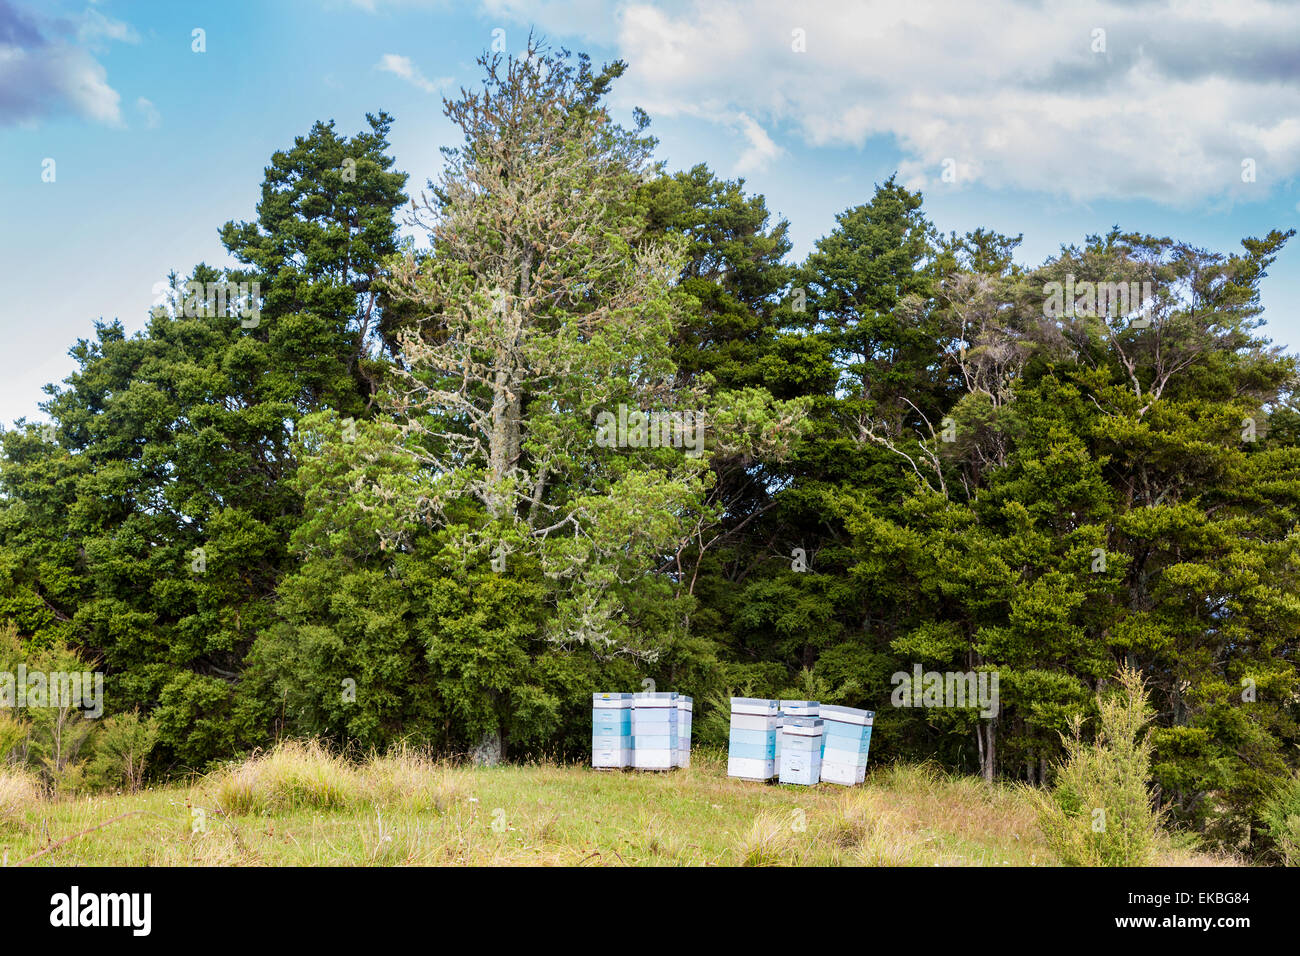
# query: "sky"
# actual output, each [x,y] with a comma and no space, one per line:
[127,139]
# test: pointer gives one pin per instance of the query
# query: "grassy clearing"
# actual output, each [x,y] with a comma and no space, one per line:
[299,806]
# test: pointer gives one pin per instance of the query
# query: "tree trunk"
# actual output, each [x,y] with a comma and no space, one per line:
[990,750]
[499,441]
[490,749]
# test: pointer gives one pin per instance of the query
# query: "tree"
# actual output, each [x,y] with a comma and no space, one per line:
[167,523]
[542,308]
[539,453]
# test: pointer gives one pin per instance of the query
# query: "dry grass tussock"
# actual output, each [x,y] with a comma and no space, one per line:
[20,790]
[306,776]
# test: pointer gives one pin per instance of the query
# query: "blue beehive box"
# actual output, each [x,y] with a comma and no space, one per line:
[751,746]
[654,731]
[611,730]
[846,741]
[801,750]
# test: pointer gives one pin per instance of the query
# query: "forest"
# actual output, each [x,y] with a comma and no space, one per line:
[433,464]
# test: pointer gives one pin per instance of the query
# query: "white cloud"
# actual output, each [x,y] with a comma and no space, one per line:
[403,67]
[95,26]
[152,118]
[761,149]
[1011,92]
[55,76]
[41,74]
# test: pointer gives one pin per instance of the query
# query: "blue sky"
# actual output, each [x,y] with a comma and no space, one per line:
[1050,127]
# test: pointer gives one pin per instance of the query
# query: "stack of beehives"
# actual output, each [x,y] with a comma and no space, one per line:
[751,748]
[801,750]
[611,730]
[654,731]
[791,708]
[846,741]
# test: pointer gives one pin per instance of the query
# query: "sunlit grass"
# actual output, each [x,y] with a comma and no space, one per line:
[302,806]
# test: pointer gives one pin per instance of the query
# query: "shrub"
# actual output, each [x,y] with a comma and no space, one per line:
[52,737]
[13,734]
[122,752]
[1099,811]
[711,724]
[1282,820]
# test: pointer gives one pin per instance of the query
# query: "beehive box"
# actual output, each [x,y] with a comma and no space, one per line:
[846,741]
[654,731]
[801,750]
[751,745]
[611,730]
[791,708]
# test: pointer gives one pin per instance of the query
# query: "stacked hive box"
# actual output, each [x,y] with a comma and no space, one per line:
[846,741]
[791,708]
[684,708]
[751,749]
[654,731]
[611,730]
[801,750]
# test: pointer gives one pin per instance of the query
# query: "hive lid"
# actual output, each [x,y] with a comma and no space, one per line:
[753,707]
[803,725]
[851,715]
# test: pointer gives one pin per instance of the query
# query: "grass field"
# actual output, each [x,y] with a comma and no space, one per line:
[301,807]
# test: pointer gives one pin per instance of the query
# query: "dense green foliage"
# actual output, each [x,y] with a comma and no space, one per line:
[380,512]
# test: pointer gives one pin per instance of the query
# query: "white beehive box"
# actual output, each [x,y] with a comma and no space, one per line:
[792,708]
[801,750]
[747,769]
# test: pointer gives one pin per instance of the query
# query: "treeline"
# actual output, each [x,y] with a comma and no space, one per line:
[380,511]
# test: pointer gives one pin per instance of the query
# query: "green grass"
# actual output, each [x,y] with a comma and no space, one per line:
[299,806]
